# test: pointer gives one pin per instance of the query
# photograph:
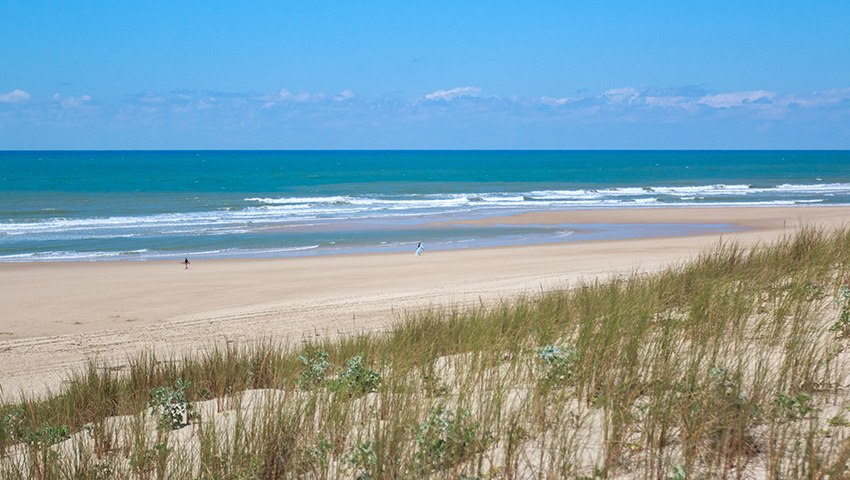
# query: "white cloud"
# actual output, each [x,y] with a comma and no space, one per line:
[284,94]
[205,104]
[344,95]
[840,93]
[453,93]
[270,101]
[555,102]
[621,95]
[14,96]
[464,107]
[72,102]
[735,99]
[149,97]
[817,99]
[666,102]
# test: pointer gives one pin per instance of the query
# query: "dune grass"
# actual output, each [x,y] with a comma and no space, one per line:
[734,365]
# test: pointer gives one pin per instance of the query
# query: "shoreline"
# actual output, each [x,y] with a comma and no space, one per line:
[59,314]
[447,231]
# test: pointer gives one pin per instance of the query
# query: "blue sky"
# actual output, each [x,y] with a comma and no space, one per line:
[473,74]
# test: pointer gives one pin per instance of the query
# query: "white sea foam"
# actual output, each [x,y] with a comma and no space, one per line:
[76,256]
[300,200]
[263,214]
[299,209]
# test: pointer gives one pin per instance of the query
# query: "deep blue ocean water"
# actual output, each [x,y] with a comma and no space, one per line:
[162,205]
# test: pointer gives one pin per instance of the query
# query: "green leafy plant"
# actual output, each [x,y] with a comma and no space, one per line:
[46,435]
[792,406]
[13,424]
[363,460]
[16,428]
[316,366]
[445,439]
[814,291]
[559,363]
[357,379]
[11,429]
[319,451]
[38,439]
[838,421]
[354,379]
[679,472]
[170,405]
[842,326]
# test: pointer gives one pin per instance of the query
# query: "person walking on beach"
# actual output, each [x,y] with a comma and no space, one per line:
[419,248]
[186,263]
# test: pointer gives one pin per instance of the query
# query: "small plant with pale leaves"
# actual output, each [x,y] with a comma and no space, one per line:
[559,363]
[170,405]
[316,367]
[446,438]
[842,326]
[357,379]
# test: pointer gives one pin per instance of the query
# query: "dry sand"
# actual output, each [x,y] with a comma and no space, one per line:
[55,316]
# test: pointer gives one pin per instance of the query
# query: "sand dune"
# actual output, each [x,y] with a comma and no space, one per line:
[57,315]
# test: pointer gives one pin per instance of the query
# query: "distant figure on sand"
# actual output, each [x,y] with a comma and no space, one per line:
[186,263]
[419,248]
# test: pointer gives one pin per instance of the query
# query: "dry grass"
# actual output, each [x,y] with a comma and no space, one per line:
[732,366]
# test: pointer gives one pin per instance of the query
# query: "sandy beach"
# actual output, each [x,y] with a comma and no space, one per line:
[55,316]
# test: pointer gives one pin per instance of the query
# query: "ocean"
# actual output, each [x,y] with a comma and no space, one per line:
[155,205]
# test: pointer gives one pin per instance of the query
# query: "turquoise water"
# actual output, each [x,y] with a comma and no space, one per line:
[155,205]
